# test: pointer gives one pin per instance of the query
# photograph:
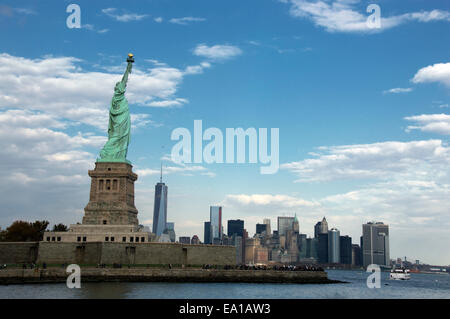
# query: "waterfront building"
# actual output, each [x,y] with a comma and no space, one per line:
[238,243]
[285,224]
[302,246]
[235,227]
[345,250]
[296,225]
[322,249]
[268,228]
[312,248]
[356,255]
[334,252]
[170,231]
[184,240]
[375,246]
[195,240]
[255,253]
[207,233]
[164,238]
[261,229]
[215,218]
[227,241]
[321,228]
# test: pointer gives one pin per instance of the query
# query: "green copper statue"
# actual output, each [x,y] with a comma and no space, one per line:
[116,148]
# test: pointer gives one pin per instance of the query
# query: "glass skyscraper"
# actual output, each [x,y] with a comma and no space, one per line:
[268,228]
[215,218]
[334,250]
[346,250]
[207,233]
[160,208]
[284,225]
[322,251]
[235,227]
[375,244]
[260,228]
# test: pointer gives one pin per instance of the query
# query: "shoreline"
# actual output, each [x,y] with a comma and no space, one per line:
[46,276]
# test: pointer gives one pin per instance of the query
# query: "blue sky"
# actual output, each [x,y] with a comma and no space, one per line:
[363,114]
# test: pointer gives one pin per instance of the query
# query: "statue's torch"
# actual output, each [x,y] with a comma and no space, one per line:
[130,58]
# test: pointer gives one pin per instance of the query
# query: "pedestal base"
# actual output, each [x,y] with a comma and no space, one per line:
[111,200]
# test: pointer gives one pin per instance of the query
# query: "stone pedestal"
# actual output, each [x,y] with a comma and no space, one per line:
[111,200]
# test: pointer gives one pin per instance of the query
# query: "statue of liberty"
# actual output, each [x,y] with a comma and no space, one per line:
[116,148]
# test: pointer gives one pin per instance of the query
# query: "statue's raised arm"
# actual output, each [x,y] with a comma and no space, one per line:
[127,71]
[122,85]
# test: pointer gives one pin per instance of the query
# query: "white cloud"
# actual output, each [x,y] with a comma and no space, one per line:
[344,16]
[8,11]
[186,170]
[26,11]
[91,27]
[379,161]
[197,69]
[186,20]
[430,123]
[59,86]
[158,19]
[439,72]
[169,103]
[217,52]
[398,90]
[41,163]
[124,17]
[255,200]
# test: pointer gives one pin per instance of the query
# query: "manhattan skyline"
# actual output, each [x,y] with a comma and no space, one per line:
[363,114]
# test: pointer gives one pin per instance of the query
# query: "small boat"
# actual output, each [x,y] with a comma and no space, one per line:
[400,274]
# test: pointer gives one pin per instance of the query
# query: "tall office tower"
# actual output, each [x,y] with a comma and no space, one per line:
[346,250]
[268,228]
[285,224]
[235,227]
[322,249]
[302,245]
[215,218]
[261,228]
[238,243]
[361,250]
[207,233]
[334,251]
[375,244]
[160,207]
[321,228]
[296,225]
[356,255]
[312,246]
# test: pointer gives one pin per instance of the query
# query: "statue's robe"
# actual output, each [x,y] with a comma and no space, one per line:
[119,127]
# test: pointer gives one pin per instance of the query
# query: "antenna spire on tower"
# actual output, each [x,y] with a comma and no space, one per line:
[160,178]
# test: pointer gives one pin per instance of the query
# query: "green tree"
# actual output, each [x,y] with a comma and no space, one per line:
[39,228]
[25,231]
[60,227]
